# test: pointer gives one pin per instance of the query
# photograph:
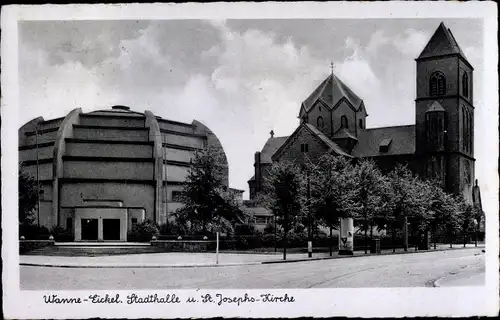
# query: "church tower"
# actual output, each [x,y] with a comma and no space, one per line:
[445,114]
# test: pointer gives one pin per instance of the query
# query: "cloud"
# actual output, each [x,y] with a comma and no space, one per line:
[412,42]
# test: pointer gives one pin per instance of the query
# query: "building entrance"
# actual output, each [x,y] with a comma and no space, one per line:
[111,229]
[101,224]
[90,229]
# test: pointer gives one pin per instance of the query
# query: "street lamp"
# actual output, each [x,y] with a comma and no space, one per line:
[309,243]
[475,232]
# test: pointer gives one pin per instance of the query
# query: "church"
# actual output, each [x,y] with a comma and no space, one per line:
[439,145]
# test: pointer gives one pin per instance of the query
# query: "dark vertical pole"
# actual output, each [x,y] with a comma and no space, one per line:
[275,235]
[393,237]
[405,245]
[331,241]
[475,233]
[37,178]
[309,245]
[285,229]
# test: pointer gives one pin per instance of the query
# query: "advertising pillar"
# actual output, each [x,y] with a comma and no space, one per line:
[346,237]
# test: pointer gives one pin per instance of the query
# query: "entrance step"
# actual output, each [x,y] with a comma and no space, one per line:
[89,249]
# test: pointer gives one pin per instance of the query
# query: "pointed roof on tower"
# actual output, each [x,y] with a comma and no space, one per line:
[441,43]
[330,92]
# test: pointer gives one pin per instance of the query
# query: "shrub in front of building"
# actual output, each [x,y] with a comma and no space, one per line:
[143,232]
[60,234]
[32,231]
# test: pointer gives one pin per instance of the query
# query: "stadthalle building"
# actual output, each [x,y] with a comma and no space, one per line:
[440,144]
[103,171]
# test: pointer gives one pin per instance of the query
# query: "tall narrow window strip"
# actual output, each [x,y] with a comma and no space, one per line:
[344,123]
[465,85]
[320,122]
[463,128]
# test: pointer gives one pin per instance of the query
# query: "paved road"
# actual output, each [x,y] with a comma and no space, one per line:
[408,270]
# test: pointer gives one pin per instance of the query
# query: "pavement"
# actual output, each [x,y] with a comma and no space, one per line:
[185,259]
[424,269]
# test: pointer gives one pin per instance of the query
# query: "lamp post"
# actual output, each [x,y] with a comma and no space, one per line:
[309,243]
[37,179]
[275,235]
[475,232]
[405,245]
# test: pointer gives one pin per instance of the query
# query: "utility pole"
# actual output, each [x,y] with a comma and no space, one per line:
[275,235]
[37,178]
[309,244]
[405,245]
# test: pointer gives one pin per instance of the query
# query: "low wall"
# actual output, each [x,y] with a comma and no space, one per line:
[29,245]
[185,245]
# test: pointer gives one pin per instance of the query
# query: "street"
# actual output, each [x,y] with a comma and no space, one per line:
[454,267]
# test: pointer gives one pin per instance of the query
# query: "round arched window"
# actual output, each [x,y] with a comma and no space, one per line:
[344,123]
[437,84]
[320,122]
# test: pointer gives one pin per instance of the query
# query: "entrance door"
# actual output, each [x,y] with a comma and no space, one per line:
[111,229]
[90,229]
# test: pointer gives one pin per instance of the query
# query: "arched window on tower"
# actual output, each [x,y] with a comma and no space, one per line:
[320,123]
[471,132]
[437,84]
[465,85]
[343,122]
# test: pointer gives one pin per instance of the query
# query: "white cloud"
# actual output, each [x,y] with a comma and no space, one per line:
[412,42]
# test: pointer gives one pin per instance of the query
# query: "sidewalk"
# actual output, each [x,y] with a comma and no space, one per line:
[178,260]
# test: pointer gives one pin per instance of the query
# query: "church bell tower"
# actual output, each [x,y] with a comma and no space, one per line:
[445,114]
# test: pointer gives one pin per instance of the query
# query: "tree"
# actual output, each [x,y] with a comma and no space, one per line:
[467,213]
[284,196]
[442,209]
[207,200]
[369,187]
[332,190]
[28,197]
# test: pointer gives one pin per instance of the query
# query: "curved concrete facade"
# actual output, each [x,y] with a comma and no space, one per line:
[103,171]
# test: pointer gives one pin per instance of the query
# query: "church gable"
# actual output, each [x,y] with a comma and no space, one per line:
[307,142]
[300,146]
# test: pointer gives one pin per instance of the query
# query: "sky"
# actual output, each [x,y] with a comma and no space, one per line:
[241,78]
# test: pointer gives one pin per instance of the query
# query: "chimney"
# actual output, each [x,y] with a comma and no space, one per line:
[257,172]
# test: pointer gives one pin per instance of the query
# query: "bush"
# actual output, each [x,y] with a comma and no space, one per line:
[269,229]
[33,232]
[61,234]
[143,232]
[245,229]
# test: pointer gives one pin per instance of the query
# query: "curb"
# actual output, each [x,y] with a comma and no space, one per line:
[365,255]
[50,265]
[56,265]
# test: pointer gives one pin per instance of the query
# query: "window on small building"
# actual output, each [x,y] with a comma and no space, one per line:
[260,220]
[361,123]
[437,84]
[343,122]
[304,147]
[465,85]
[384,145]
[176,196]
[320,122]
